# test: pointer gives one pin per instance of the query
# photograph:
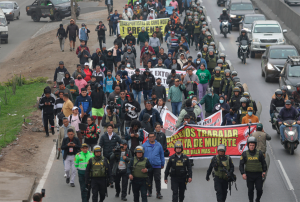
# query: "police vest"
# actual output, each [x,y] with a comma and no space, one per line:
[197,29]
[253,164]
[261,138]
[217,81]
[179,167]
[219,171]
[204,54]
[222,72]
[98,168]
[242,113]
[212,63]
[137,168]
[224,85]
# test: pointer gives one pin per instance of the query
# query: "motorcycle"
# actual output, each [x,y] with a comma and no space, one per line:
[291,136]
[225,27]
[276,125]
[243,50]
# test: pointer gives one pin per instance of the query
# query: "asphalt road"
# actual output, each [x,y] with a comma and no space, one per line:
[28,28]
[276,188]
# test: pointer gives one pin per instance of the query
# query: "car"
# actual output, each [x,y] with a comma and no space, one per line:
[221,2]
[248,20]
[11,9]
[290,74]
[264,33]
[273,59]
[3,27]
[55,9]
[238,9]
[290,2]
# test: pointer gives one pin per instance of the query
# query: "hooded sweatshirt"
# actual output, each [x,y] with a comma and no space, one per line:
[66,80]
[203,75]
[47,109]
[131,114]
[98,99]
[146,124]
[108,84]
[86,103]
[74,89]
[59,74]
[148,85]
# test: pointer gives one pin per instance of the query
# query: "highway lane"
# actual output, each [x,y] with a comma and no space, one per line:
[23,29]
[295,8]
[260,91]
[274,190]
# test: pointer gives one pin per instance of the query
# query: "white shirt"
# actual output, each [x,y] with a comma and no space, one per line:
[110,136]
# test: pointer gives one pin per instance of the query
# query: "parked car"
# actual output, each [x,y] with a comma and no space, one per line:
[274,58]
[264,33]
[11,9]
[237,10]
[3,27]
[290,74]
[290,2]
[248,20]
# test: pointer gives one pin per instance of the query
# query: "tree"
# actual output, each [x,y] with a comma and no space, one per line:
[74,6]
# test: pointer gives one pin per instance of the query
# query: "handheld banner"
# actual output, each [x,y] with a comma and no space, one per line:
[213,120]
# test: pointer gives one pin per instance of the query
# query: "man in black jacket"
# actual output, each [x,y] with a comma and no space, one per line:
[97,57]
[119,82]
[161,138]
[71,146]
[130,44]
[131,108]
[129,38]
[73,31]
[98,103]
[137,85]
[47,105]
[100,29]
[59,73]
[108,141]
[148,81]
[119,41]
[110,61]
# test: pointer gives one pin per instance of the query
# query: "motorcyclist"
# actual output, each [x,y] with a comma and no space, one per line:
[243,36]
[284,90]
[288,113]
[296,94]
[225,16]
[252,103]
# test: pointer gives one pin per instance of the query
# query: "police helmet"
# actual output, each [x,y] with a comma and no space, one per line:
[196,14]
[188,11]
[222,55]
[139,149]
[221,147]
[227,71]
[196,19]
[202,16]
[178,144]
[195,6]
[208,34]
[212,43]
[259,127]
[251,140]
[278,92]
[190,17]
[210,49]
[220,61]
[205,46]
[201,9]
[203,30]
[234,73]
[246,94]
[204,23]
[97,148]
[236,79]
[238,84]
[236,89]
[243,100]
[217,68]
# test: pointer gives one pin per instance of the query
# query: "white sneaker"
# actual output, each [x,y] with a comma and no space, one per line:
[65,175]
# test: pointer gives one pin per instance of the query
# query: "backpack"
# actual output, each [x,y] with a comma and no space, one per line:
[71,118]
[192,115]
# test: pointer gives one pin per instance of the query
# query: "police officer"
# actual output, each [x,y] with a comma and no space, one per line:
[224,82]
[97,175]
[215,80]
[208,39]
[230,83]
[252,103]
[189,26]
[219,162]
[212,61]
[181,172]
[138,169]
[261,138]
[197,32]
[225,64]
[253,167]
[186,16]
[81,161]
[235,100]
[243,109]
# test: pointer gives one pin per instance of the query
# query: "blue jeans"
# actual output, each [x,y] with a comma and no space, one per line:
[229,26]
[176,106]
[137,93]
[115,26]
[282,129]
[147,94]
[62,153]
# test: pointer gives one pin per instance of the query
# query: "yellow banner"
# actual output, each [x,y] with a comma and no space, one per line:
[136,26]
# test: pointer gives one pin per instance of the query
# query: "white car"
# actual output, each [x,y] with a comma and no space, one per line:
[11,9]
[3,27]
[264,33]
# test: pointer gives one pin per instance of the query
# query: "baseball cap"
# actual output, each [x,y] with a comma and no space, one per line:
[61,62]
[190,92]
[186,116]
[137,3]
[288,102]
[86,64]
[176,80]
[172,32]
[137,70]
[84,145]
[259,127]
[173,71]
[74,108]
[249,109]
[72,81]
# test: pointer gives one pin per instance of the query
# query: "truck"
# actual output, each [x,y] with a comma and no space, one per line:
[56,10]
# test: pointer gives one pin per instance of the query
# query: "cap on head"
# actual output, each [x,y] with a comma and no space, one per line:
[250,109]
[86,64]
[84,145]
[97,148]
[259,127]
[191,92]
[186,116]
[61,62]
[74,108]
[288,102]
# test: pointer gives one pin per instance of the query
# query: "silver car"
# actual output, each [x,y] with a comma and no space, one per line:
[11,9]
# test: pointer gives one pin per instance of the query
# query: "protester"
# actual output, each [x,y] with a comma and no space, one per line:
[119,82]
[101,29]
[148,81]
[88,72]
[115,19]
[204,77]
[175,96]
[83,33]
[142,38]
[161,106]
[114,95]
[86,102]
[111,119]
[210,99]
[159,90]
[78,71]
[222,105]
[47,105]
[73,89]
[154,42]
[145,123]
[117,52]
[108,83]
[155,116]
[250,117]
[145,57]
[75,119]
[59,73]
[98,103]
[73,31]
[172,77]
[191,81]
[137,85]
[230,118]
[80,83]
[67,105]
[61,35]
[129,56]
[92,133]
[99,58]
[192,109]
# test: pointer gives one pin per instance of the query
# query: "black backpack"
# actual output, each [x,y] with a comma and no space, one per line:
[192,115]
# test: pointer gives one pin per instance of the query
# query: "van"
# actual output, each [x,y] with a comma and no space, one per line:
[263,34]
[3,27]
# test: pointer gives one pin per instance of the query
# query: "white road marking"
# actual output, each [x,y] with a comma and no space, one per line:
[208,19]
[286,176]
[221,46]
[47,170]
[215,31]
[163,184]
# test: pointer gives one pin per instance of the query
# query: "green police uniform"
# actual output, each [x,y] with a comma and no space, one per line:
[253,164]
[212,63]
[242,113]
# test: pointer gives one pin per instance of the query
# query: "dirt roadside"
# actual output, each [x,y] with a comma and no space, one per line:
[36,57]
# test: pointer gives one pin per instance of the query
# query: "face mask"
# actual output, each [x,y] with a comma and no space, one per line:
[110,14]
[79,78]
[221,101]
[191,97]
[198,62]
[102,65]
[210,94]
[130,34]
[169,32]
[128,52]
[128,65]
[250,113]
[109,75]
[154,58]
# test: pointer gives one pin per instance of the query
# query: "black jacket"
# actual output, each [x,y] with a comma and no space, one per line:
[110,62]
[57,70]
[276,103]
[104,123]
[108,145]
[241,37]
[129,38]
[96,59]
[61,32]
[122,85]
[98,99]
[65,147]
[101,31]
[73,30]
[261,158]
[174,158]
[115,161]
[119,41]
[148,85]
[137,87]
[214,163]
[162,15]
[145,124]
[161,138]
[131,114]
[224,17]
[47,109]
